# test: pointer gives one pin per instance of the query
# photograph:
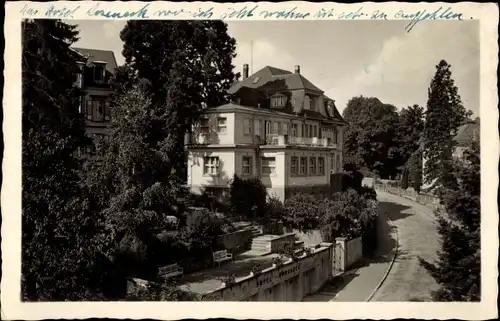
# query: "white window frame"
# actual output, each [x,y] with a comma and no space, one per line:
[205,126]
[294,130]
[312,103]
[95,72]
[275,128]
[221,125]
[246,164]
[278,101]
[286,128]
[312,166]
[211,165]
[321,166]
[257,127]
[247,126]
[268,165]
[294,166]
[303,165]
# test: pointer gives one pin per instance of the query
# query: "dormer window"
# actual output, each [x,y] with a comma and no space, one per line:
[256,80]
[278,101]
[313,103]
[99,71]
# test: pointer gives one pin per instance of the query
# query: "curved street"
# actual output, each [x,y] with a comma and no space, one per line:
[417,235]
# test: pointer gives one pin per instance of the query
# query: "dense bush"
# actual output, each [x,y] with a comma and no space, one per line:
[347,214]
[248,197]
[302,211]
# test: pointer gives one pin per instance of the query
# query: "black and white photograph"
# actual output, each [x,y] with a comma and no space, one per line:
[302,161]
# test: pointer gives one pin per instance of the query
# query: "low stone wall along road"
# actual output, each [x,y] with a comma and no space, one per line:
[416,227]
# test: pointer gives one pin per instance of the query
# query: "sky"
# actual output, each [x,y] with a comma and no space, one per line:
[345,58]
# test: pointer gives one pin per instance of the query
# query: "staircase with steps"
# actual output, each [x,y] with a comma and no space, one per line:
[261,244]
[256,231]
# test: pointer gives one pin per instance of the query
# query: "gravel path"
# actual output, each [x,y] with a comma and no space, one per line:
[416,227]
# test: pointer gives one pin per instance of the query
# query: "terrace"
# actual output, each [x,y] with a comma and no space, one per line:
[285,140]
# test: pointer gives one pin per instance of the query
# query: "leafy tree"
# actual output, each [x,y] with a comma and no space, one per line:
[345,215]
[458,267]
[188,66]
[445,113]
[131,186]
[248,197]
[371,136]
[409,130]
[62,241]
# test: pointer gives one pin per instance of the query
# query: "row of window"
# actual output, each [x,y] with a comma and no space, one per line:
[272,128]
[221,125]
[211,165]
[303,165]
[279,101]
[284,128]
[311,166]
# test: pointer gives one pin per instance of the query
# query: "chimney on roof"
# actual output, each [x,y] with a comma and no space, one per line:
[245,71]
[297,69]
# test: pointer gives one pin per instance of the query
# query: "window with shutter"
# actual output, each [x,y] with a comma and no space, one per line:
[107,111]
[89,110]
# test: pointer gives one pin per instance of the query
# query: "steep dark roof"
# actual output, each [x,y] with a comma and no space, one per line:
[467,133]
[336,114]
[272,78]
[100,55]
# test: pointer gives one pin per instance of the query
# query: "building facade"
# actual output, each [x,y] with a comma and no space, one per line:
[96,70]
[278,127]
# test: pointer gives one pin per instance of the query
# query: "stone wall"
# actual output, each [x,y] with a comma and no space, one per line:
[291,281]
[353,252]
[236,242]
[282,241]
[424,199]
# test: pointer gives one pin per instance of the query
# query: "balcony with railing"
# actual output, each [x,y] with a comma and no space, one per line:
[285,140]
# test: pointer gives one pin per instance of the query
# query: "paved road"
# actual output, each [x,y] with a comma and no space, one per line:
[416,227]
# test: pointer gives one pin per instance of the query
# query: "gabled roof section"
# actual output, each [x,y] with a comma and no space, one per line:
[272,78]
[100,55]
[336,115]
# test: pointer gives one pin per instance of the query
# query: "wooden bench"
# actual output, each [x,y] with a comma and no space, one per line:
[222,256]
[169,271]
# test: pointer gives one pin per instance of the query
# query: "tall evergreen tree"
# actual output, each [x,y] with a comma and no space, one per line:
[58,231]
[445,113]
[458,268]
[188,65]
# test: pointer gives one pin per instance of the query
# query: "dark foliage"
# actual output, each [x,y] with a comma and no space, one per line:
[445,113]
[248,198]
[371,139]
[63,245]
[458,268]
[188,67]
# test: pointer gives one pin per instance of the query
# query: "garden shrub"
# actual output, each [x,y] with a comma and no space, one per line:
[301,212]
[248,197]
